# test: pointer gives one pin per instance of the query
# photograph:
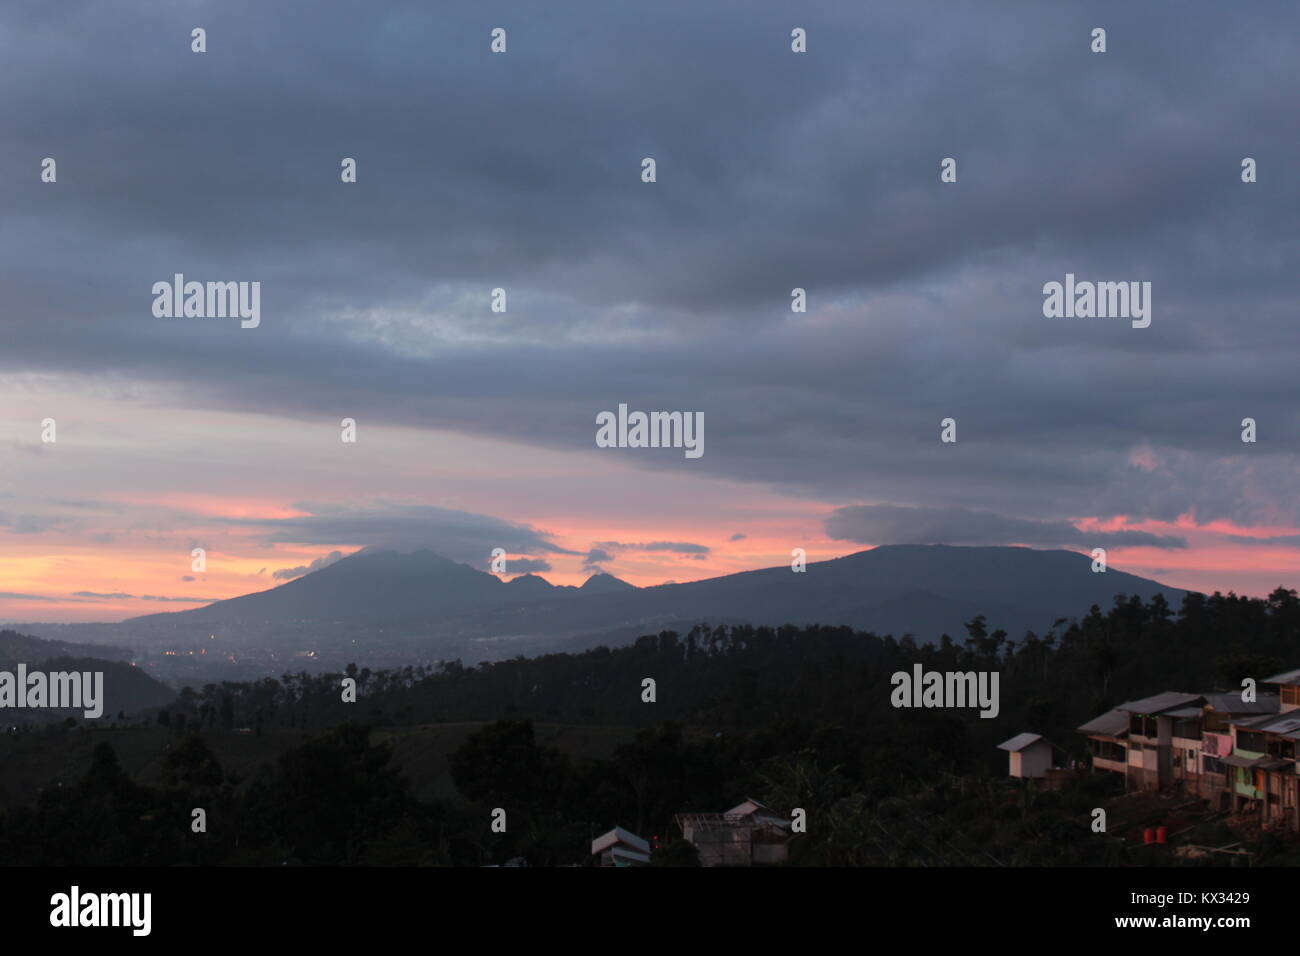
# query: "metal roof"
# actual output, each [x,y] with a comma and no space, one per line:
[1233,704]
[1232,760]
[752,807]
[730,822]
[1113,723]
[616,836]
[1160,702]
[1286,724]
[1019,742]
[1286,677]
[1184,712]
[1254,721]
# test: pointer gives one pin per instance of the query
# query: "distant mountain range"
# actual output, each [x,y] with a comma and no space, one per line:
[378,586]
[923,590]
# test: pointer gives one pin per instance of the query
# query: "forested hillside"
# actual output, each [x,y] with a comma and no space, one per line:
[792,716]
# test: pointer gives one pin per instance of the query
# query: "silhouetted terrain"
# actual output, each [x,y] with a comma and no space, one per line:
[925,590]
[21,647]
[796,717]
[395,608]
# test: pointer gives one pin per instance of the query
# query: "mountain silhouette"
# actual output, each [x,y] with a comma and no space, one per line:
[924,590]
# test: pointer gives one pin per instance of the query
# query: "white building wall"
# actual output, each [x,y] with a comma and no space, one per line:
[1035,760]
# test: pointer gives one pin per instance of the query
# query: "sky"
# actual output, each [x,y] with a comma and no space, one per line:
[522,171]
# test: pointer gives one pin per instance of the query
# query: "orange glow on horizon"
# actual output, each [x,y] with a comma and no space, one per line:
[45,573]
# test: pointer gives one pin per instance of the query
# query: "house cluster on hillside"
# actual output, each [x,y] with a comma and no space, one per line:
[748,834]
[1239,755]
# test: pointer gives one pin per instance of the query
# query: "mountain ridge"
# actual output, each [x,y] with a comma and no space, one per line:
[924,590]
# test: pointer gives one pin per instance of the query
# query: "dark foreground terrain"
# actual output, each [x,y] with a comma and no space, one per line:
[287,772]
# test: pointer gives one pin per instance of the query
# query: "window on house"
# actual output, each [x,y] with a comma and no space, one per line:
[1281,747]
[1251,741]
[1106,749]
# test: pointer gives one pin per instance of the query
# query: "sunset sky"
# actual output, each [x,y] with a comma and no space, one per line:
[520,171]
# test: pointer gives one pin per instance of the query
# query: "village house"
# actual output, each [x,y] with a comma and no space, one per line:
[1171,740]
[1032,756]
[1239,755]
[1108,741]
[621,847]
[1216,740]
[1263,768]
[1288,687]
[1153,724]
[1263,772]
[748,834]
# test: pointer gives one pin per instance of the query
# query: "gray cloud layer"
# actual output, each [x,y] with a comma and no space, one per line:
[288,574]
[459,535]
[119,595]
[888,524]
[775,171]
[526,565]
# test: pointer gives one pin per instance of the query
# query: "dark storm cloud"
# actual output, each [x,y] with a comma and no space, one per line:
[888,524]
[775,171]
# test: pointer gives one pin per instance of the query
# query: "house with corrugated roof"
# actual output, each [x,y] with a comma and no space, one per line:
[748,834]
[1288,688]
[1263,773]
[1239,754]
[1108,741]
[1216,740]
[1152,726]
